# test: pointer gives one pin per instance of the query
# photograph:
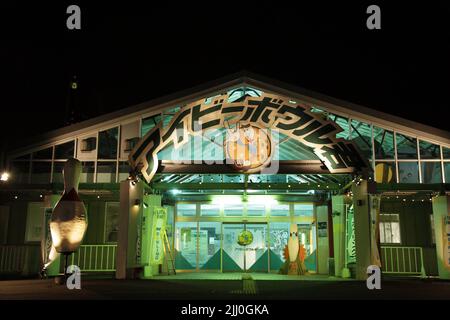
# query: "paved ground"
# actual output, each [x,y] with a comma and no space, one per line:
[256,287]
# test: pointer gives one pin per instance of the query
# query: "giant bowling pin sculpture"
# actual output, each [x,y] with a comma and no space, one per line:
[293,247]
[69,222]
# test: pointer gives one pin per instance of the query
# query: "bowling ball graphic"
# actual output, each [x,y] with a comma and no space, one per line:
[245,238]
[248,148]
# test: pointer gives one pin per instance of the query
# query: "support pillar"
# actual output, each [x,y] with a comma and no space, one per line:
[129,242]
[365,206]
[441,215]
[338,214]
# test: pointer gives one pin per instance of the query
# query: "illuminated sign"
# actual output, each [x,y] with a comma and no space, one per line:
[267,111]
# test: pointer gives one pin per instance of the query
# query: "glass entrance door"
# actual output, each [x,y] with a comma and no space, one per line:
[245,247]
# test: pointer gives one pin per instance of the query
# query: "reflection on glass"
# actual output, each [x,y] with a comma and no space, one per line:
[256,209]
[107,143]
[408,172]
[233,209]
[306,210]
[186,209]
[447,172]
[278,238]
[446,152]
[429,150]
[279,210]
[361,134]
[233,253]
[343,123]
[186,245]
[431,172]
[384,143]
[406,147]
[256,258]
[149,123]
[210,209]
[385,172]
[209,245]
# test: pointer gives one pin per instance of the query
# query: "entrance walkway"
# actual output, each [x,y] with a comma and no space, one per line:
[241,276]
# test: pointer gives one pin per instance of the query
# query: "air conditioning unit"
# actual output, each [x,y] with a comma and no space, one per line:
[88,144]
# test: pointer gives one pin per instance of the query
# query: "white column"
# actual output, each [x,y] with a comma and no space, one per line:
[129,243]
[338,213]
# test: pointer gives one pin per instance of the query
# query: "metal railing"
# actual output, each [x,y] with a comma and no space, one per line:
[19,258]
[95,257]
[402,260]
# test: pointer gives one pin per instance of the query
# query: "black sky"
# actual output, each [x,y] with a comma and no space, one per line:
[127,53]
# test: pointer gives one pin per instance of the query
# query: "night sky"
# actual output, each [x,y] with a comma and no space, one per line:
[126,53]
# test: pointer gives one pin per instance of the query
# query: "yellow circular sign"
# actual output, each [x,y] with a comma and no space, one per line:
[245,238]
[248,147]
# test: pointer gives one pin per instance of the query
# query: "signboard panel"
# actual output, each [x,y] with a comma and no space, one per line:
[158,230]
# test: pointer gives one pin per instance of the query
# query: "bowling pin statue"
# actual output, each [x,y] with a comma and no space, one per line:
[69,221]
[293,247]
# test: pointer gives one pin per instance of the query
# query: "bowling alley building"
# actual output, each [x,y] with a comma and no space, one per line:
[232,164]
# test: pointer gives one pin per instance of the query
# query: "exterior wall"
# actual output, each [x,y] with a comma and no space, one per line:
[415,228]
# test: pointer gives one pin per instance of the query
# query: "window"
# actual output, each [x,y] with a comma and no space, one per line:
[303,210]
[446,152]
[384,143]
[35,217]
[46,154]
[406,147]
[361,134]
[408,172]
[149,123]
[210,210]
[390,228]
[256,209]
[385,172]
[111,221]
[343,123]
[279,210]
[431,172]
[107,143]
[447,172]
[106,172]
[88,144]
[429,150]
[40,172]
[87,172]
[124,171]
[186,209]
[65,150]
[234,209]
[58,167]
[20,171]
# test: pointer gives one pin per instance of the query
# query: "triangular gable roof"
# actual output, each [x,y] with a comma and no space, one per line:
[252,80]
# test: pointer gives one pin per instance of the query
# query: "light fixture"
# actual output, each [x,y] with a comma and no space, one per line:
[40,196]
[4,176]
[15,197]
[98,197]
[175,191]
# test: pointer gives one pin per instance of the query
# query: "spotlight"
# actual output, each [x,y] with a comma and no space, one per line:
[4,176]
